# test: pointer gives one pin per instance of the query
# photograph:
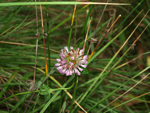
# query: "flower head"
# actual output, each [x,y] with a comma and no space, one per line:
[71,62]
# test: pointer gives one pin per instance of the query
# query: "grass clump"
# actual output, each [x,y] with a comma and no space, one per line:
[113,35]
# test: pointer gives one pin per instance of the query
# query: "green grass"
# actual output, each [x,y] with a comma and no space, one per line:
[113,81]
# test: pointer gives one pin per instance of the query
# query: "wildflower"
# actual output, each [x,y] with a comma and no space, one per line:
[71,62]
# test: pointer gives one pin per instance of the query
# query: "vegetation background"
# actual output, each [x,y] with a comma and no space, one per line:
[116,79]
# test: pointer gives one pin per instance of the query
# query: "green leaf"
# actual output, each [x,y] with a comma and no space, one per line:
[47,97]
[45,90]
[85,71]
[3,111]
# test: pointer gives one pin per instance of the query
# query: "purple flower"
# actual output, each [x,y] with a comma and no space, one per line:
[71,62]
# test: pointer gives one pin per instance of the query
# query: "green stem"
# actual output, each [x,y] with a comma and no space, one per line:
[76,79]
[86,21]
[18,94]
[70,36]
[49,63]
[61,97]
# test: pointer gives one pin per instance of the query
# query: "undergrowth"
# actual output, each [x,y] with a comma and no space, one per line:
[114,36]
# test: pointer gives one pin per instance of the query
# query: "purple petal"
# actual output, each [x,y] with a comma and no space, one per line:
[71,47]
[83,62]
[71,64]
[80,68]
[86,62]
[60,71]
[81,52]
[76,71]
[58,60]
[84,66]
[63,61]
[66,49]
[71,72]
[65,66]
[64,71]
[62,55]
[70,52]
[67,72]
[72,58]
[59,68]
[85,57]
[57,64]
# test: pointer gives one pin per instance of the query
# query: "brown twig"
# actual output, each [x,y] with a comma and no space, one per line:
[103,37]
[22,44]
[86,36]
[46,69]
